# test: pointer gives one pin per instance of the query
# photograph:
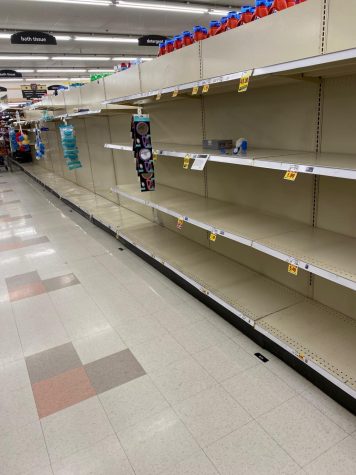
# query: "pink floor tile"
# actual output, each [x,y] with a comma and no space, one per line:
[69,388]
[28,290]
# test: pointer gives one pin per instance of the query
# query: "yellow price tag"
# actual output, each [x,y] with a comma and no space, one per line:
[175,93]
[155,155]
[159,95]
[244,80]
[293,269]
[290,175]
[186,162]
[195,90]
[212,237]
[180,223]
[205,88]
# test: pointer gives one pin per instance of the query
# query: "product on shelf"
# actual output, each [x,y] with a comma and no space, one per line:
[199,33]
[223,25]
[69,144]
[217,144]
[39,145]
[162,49]
[169,46]
[240,147]
[187,38]
[214,27]
[13,141]
[246,15]
[277,6]
[233,19]
[142,148]
[261,9]
[178,42]
[23,143]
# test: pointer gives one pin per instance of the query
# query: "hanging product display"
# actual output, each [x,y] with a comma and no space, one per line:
[23,143]
[39,145]
[13,141]
[69,144]
[142,147]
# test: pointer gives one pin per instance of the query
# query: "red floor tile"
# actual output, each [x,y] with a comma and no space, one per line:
[28,290]
[69,388]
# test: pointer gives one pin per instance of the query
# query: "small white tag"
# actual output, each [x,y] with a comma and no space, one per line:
[199,162]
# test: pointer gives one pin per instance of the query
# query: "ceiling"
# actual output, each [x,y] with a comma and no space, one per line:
[69,19]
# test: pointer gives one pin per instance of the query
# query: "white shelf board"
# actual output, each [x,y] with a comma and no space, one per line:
[314,64]
[324,253]
[328,164]
[319,336]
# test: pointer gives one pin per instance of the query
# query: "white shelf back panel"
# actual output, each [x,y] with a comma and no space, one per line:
[182,66]
[92,95]
[72,99]
[123,83]
[289,35]
[341,33]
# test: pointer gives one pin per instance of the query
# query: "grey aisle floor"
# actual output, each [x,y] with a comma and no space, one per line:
[109,368]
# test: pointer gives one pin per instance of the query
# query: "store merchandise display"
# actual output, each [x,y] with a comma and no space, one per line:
[39,145]
[69,144]
[233,20]
[266,237]
[142,147]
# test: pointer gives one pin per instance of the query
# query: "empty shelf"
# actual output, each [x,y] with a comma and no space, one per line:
[328,164]
[324,253]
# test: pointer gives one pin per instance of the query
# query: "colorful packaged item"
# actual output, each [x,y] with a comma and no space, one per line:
[232,20]
[277,6]
[223,25]
[69,145]
[261,9]
[199,34]
[178,42]
[246,15]
[214,27]
[187,38]
[142,148]
[39,145]
[169,46]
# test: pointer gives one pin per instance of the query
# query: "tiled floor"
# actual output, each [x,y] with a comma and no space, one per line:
[108,368]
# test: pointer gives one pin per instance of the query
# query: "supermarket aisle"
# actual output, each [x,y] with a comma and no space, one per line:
[107,367]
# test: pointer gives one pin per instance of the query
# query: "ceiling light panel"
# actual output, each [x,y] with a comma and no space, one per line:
[61,71]
[25,70]
[108,70]
[213,11]
[63,37]
[103,3]
[46,79]
[23,58]
[123,58]
[162,7]
[80,58]
[4,36]
[106,39]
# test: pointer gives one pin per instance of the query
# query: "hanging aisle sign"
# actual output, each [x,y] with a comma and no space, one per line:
[9,73]
[33,91]
[3,89]
[142,148]
[151,40]
[33,38]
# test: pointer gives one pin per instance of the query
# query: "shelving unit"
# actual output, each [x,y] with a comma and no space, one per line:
[327,164]
[297,114]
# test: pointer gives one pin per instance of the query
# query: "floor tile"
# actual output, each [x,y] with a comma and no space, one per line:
[258,390]
[158,353]
[14,376]
[17,409]
[23,449]
[331,409]
[199,464]
[23,279]
[294,380]
[53,362]
[181,380]
[75,428]
[301,429]
[338,460]
[60,282]
[99,345]
[104,458]
[10,344]
[199,336]
[225,361]
[130,403]
[211,414]
[158,443]
[250,451]
[139,330]
[58,393]
[113,370]
[27,291]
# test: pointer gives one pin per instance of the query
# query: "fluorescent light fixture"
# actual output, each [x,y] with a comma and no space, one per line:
[5,36]
[79,79]
[45,79]
[108,70]
[123,58]
[61,70]
[162,7]
[63,37]
[79,58]
[23,58]
[146,59]
[106,39]
[12,80]
[25,70]
[214,11]
[104,3]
